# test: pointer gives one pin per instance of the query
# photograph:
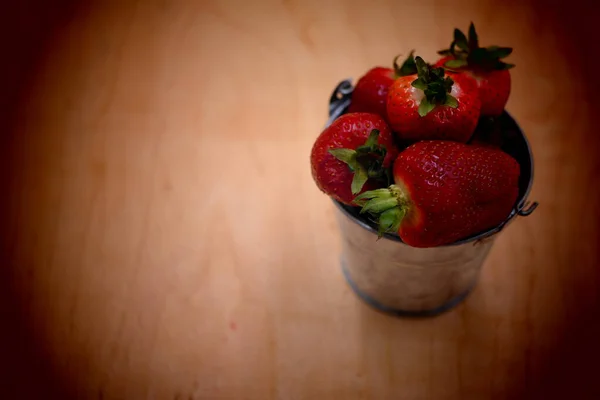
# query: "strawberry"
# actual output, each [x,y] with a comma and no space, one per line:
[485,65]
[352,155]
[445,191]
[430,106]
[371,90]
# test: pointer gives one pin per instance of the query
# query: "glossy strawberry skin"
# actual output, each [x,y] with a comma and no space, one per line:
[455,191]
[349,131]
[371,90]
[494,88]
[443,123]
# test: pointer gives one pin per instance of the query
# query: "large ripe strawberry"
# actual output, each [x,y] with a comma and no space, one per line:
[430,105]
[485,65]
[352,155]
[445,191]
[371,90]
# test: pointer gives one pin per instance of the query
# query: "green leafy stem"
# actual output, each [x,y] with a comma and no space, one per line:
[366,161]
[437,88]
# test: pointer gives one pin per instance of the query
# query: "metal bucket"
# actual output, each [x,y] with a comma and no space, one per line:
[407,281]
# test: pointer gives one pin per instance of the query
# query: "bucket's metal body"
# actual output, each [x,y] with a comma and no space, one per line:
[396,278]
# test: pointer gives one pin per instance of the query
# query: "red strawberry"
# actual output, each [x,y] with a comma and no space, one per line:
[445,191]
[371,90]
[430,106]
[353,155]
[484,64]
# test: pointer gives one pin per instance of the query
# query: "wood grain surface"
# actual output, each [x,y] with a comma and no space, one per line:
[162,237]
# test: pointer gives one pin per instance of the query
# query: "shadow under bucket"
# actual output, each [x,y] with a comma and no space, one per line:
[408,281]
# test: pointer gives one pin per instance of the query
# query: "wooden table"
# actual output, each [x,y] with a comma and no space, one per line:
[162,237]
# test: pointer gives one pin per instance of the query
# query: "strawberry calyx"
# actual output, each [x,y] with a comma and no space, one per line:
[436,87]
[389,205]
[408,67]
[366,161]
[466,52]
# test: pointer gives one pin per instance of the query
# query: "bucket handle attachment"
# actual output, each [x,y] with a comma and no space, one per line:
[339,100]
[524,209]
[527,208]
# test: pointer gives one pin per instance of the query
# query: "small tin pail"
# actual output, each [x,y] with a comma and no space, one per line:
[407,281]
